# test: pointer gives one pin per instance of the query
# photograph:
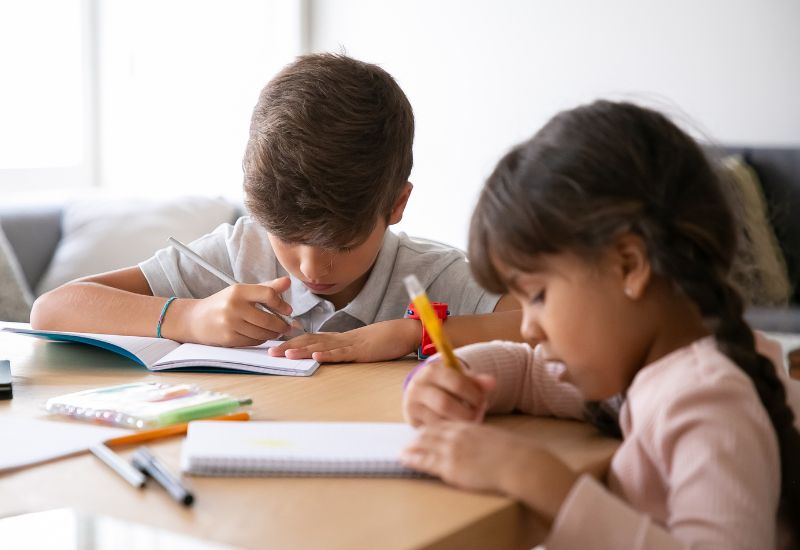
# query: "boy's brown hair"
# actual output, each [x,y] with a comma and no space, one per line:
[329,150]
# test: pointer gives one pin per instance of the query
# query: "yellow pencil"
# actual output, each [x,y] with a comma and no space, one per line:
[431,321]
[177,429]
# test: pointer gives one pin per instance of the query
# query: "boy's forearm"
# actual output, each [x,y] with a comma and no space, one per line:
[94,307]
[469,329]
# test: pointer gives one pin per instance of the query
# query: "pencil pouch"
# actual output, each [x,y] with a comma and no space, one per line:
[143,405]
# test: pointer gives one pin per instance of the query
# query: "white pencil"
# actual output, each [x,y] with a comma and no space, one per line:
[228,279]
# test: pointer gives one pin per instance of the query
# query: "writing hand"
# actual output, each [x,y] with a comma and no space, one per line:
[437,393]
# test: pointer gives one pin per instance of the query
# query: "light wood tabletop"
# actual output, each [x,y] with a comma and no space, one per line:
[349,513]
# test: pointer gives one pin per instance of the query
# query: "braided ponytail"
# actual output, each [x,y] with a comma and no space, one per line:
[697,259]
[735,339]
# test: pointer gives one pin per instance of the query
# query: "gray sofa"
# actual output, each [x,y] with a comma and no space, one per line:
[34,232]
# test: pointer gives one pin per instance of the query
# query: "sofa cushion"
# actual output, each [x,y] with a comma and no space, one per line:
[759,268]
[778,171]
[15,297]
[103,234]
[33,230]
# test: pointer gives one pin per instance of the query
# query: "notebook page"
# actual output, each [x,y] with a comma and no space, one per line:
[256,356]
[242,448]
[143,348]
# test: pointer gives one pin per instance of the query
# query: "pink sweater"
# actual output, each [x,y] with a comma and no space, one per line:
[698,467]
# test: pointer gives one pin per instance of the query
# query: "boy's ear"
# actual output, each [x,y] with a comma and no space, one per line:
[400,204]
[630,252]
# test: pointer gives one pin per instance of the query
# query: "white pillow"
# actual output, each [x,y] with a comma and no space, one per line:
[110,233]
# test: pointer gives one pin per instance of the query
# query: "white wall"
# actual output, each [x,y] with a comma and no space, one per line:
[483,75]
[178,82]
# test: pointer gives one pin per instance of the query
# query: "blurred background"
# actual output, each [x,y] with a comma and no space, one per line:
[154,97]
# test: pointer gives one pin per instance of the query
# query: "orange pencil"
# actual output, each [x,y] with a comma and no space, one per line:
[177,429]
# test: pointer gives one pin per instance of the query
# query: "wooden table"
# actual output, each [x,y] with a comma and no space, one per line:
[277,512]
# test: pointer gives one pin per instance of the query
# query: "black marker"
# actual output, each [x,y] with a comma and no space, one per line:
[147,463]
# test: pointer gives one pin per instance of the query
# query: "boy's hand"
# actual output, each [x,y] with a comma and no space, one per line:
[230,317]
[483,458]
[382,341]
[438,393]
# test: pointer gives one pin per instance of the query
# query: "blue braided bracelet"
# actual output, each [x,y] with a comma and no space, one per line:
[163,313]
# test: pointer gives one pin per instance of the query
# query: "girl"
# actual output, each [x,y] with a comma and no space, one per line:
[610,228]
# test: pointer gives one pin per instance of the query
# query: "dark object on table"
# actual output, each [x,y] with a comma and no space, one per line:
[6,391]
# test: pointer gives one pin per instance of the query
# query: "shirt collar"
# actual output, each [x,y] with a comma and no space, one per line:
[301,298]
[365,305]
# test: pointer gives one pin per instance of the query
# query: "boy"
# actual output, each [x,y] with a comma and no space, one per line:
[325,173]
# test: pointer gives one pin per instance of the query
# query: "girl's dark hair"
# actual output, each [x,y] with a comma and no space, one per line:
[602,169]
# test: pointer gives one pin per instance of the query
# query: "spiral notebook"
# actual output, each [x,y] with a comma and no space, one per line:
[246,449]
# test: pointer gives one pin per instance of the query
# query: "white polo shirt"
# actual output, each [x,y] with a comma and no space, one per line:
[244,251]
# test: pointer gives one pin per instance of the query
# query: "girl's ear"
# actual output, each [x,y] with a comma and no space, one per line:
[400,204]
[630,252]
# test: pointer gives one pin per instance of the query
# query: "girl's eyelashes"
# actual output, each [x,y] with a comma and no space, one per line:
[538,298]
[345,249]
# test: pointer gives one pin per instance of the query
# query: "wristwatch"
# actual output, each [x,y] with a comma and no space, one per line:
[427,347]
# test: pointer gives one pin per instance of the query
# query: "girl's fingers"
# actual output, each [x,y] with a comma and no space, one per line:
[444,404]
[428,451]
[461,386]
[422,460]
[486,381]
[430,437]
[418,414]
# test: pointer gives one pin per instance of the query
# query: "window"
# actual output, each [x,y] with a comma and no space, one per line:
[140,95]
[45,100]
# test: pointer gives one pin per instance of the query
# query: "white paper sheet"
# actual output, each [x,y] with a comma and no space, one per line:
[25,441]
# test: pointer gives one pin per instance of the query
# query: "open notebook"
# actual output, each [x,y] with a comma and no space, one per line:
[296,449]
[164,354]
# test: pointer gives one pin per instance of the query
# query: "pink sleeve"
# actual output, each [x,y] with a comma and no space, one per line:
[524,383]
[714,451]
[591,517]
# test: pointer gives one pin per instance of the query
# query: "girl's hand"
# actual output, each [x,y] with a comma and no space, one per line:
[229,317]
[482,458]
[438,393]
[382,341]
